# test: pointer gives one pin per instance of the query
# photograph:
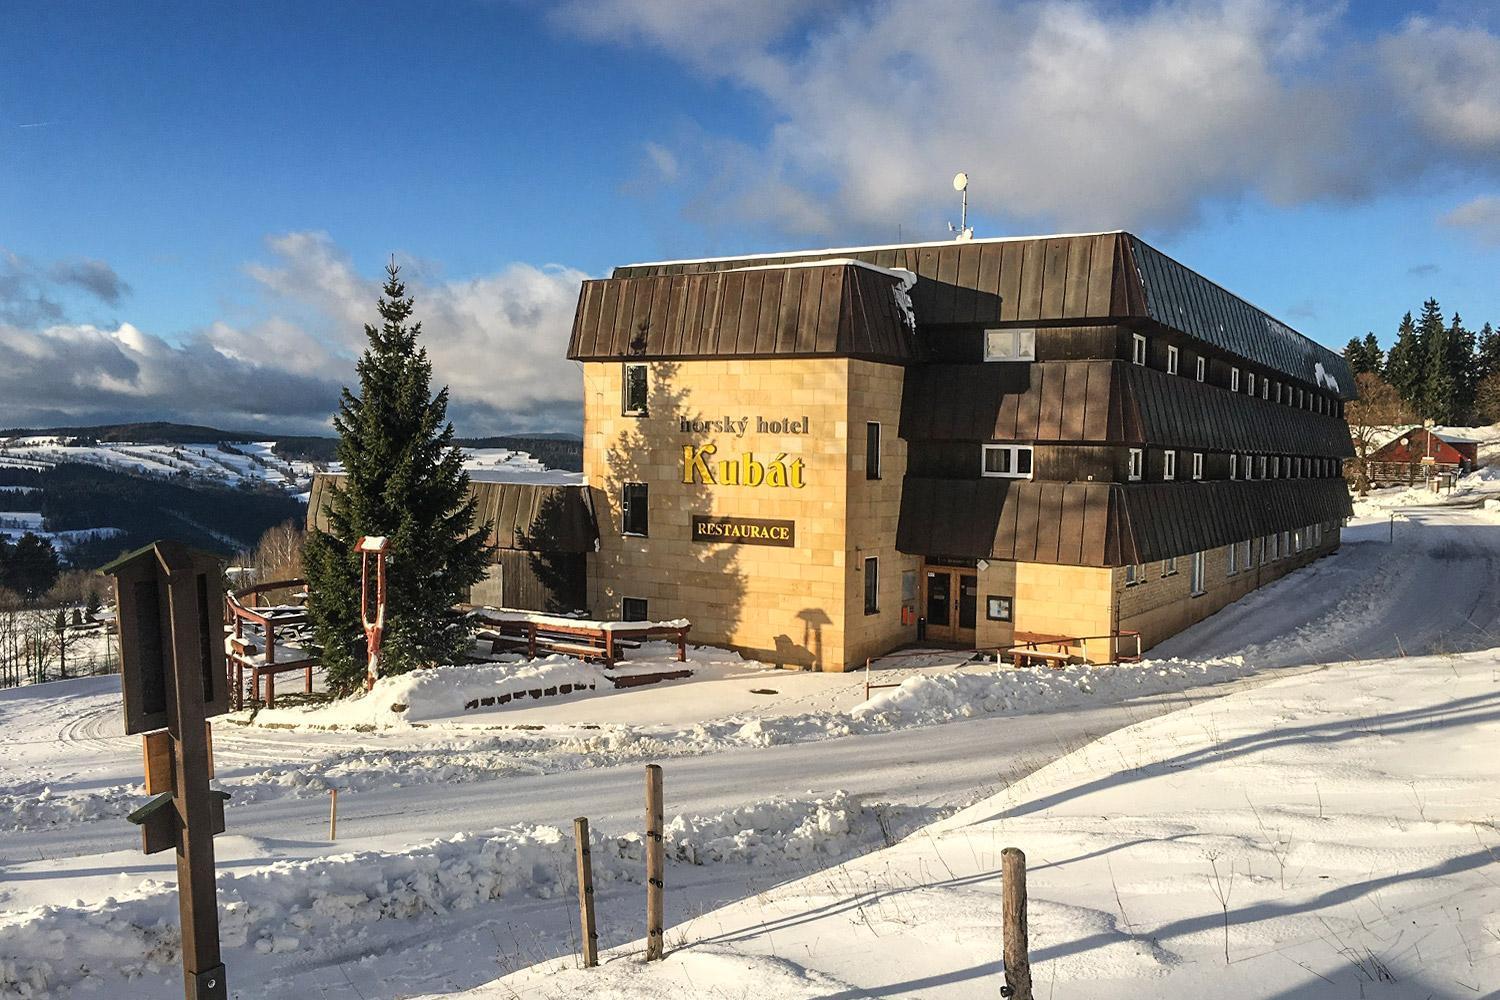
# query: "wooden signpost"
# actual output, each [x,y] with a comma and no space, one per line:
[589,932]
[1013,916]
[374,623]
[170,605]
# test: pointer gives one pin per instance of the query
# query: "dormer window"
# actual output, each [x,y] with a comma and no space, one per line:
[1010,345]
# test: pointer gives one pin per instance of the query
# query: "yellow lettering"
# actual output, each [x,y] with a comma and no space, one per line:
[752,473]
[695,464]
[795,474]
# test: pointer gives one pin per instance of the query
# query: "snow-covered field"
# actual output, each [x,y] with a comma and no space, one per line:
[1329,835]
[451,870]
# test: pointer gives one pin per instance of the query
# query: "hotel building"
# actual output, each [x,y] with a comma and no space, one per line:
[821,456]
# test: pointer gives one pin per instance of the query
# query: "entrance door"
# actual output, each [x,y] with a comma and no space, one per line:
[951,602]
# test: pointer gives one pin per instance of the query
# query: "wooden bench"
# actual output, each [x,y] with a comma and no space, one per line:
[607,643]
[1028,649]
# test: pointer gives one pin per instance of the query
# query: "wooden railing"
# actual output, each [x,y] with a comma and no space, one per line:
[244,654]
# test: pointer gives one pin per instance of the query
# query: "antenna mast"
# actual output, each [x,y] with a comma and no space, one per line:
[963,231]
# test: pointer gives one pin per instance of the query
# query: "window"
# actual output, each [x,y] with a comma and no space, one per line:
[1249,559]
[1275,466]
[1202,367]
[1286,543]
[1169,465]
[998,608]
[1249,383]
[1197,465]
[634,509]
[1234,559]
[1172,354]
[634,385]
[1265,388]
[1266,555]
[1278,392]
[633,609]
[1234,466]
[1297,538]
[1007,461]
[1138,349]
[1234,380]
[1197,578]
[1317,535]
[1135,573]
[1136,461]
[872,450]
[1169,567]
[1260,467]
[1010,345]
[872,585]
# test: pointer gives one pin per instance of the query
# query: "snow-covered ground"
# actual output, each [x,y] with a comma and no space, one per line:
[433,915]
[1329,835]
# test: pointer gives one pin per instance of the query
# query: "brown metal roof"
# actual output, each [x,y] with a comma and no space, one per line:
[1104,524]
[1105,402]
[1054,278]
[524,516]
[842,310]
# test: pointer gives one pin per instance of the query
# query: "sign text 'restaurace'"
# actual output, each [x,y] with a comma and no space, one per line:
[744,531]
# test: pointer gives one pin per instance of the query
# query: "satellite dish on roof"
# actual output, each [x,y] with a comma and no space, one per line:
[962,231]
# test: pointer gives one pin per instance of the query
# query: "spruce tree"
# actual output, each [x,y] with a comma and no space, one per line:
[1405,365]
[1374,356]
[403,479]
[1443,390]
[1487,353]
[1355,356]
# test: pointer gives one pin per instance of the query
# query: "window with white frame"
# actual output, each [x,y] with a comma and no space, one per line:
[1249,559]
[1297,539]
[1260,466]
[1234,559]
[1172,355]
[1286,543]
[1266,555]
[1169,567]
[1197,465]
[1134,574]
[1265,388]
[1137,460]
[1275,466]
[1234,380]
[1169,464]
[1197,578]
[1249,383]
[1202,368]
[1138,348]
[1006,461]
[1234,466]
[1010,345]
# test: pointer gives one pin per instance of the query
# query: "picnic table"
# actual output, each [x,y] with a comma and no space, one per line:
[601,641]
[261,652]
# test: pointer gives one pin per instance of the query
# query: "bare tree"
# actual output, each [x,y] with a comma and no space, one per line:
[278,554]
[1378,406]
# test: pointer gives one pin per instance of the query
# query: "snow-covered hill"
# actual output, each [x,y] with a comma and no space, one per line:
[223,464]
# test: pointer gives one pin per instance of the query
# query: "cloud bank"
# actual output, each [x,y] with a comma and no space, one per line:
[497,342]
[1067,115]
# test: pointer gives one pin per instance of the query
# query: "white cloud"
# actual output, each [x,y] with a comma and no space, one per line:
[497,341]
[1448,80]
[1073,115]
[1480,217]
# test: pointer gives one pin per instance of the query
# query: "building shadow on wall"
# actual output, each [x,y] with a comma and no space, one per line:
[650,452]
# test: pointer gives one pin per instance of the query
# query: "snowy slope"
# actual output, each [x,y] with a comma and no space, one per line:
[1329,835]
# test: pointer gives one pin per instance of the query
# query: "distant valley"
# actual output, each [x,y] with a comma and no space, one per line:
[99,491]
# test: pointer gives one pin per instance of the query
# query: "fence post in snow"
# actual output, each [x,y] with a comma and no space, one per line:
[586,893]
[333,814]
[655,863]
[1017,960]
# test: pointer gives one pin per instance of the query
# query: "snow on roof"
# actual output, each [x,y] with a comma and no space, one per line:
[879,246]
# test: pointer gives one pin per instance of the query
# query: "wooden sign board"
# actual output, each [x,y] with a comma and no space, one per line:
[151,586]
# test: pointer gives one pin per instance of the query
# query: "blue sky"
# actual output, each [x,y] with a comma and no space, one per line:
[193,195]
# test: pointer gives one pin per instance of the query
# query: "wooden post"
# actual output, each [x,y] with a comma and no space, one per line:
[1017,960]
[586,893]
[197,899]
[333,814]
[655,863]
